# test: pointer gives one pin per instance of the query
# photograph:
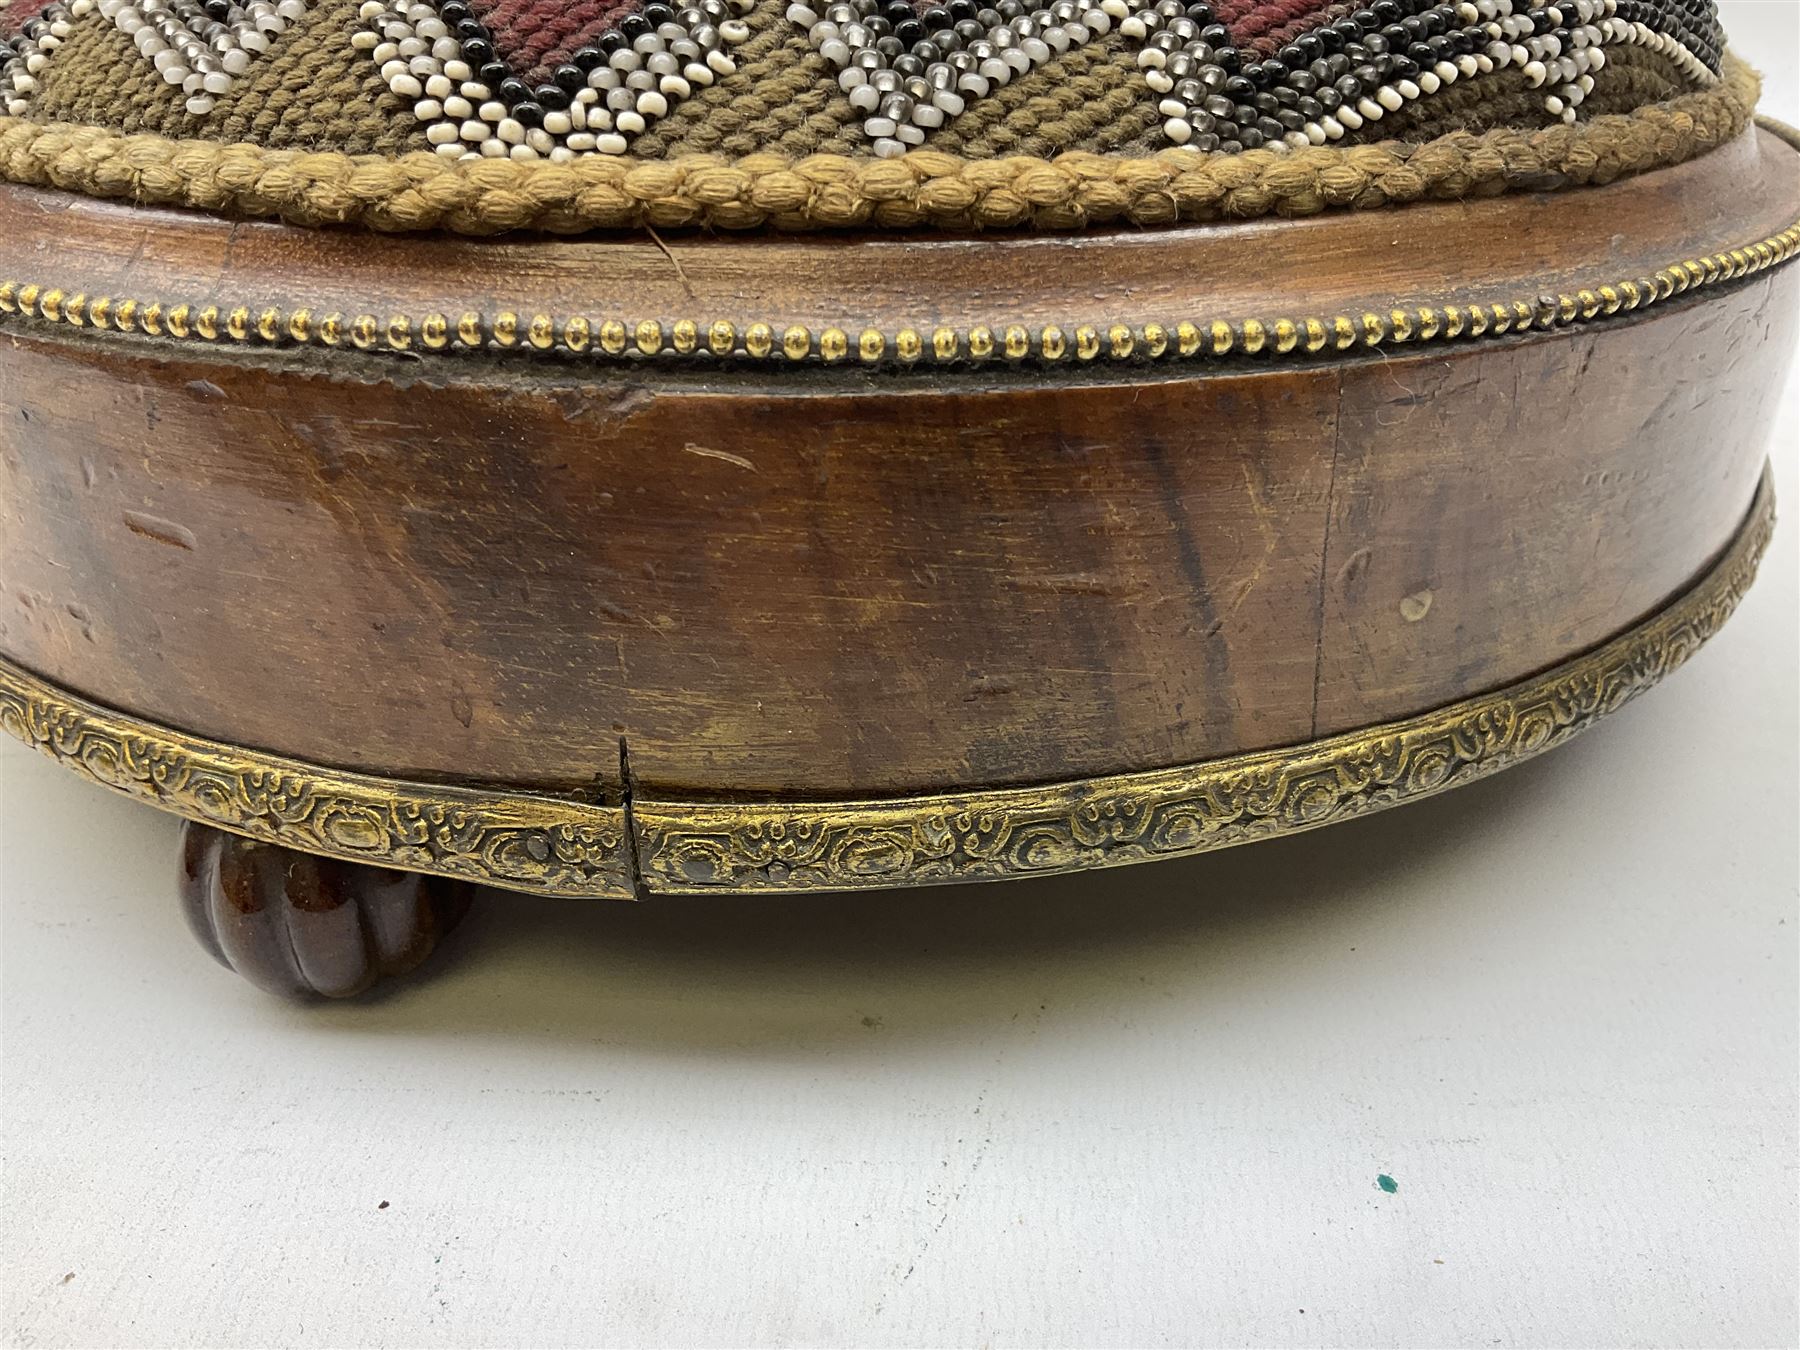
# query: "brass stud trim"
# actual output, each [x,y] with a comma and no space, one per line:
[1185,339]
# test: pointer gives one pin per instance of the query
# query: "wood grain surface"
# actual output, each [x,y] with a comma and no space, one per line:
[495,568]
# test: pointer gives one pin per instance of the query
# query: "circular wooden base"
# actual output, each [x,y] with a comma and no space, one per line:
[655,844]
[960,558]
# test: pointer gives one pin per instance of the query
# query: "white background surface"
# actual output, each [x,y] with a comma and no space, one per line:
[1147,1107]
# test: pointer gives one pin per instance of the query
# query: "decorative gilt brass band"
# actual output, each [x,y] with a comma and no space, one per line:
[557,846]
[243,321]
[1171,812]
[514,839]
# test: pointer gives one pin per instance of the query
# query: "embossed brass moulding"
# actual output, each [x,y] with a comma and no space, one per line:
[559,846]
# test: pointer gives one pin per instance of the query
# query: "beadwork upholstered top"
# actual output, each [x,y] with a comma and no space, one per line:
[490,115]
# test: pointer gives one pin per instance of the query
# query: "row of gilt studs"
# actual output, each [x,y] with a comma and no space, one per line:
[1013,342]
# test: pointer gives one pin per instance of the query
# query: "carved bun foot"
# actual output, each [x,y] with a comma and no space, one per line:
[295,924]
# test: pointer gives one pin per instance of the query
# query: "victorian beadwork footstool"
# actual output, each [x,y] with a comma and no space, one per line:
[629,447]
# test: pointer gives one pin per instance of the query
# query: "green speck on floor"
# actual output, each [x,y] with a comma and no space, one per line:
[1387,1183]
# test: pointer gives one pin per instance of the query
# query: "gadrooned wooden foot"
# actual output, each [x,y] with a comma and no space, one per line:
[296,924]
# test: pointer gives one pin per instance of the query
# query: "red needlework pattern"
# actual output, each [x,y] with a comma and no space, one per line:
[14,17]
[534,38]
[1250,19]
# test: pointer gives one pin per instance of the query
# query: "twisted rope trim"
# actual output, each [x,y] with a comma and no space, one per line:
[922,188]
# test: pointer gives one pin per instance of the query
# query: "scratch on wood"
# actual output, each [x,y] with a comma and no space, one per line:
[674,262]
[162,531]
[1337,444]
[707,452]
[1066,583]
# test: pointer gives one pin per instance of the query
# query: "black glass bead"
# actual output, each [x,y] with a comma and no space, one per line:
[528,113]
[569,78]
[477,51]
[633,27]
[909,32]
[492,72]
[514,90]
[552,98]
[658,14]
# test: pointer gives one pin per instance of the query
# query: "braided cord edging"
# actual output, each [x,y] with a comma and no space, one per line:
[922,188]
